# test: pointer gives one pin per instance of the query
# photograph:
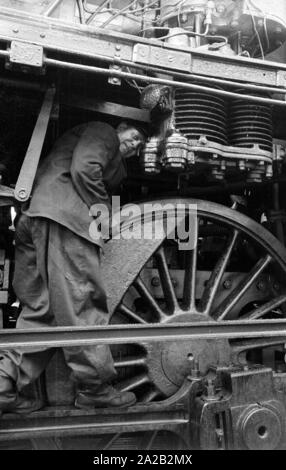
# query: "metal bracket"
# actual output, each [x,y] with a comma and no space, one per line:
[114,80]
[160,57]
[26,54]
[28,171]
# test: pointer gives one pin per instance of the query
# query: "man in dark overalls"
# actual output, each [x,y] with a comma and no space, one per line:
[57,263]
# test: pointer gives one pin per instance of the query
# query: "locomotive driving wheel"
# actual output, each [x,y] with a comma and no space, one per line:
[235,270]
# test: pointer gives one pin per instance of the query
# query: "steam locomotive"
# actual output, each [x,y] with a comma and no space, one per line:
[197,334]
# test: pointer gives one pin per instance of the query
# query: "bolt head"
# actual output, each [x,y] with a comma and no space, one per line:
[220,8]
[22,194]
[261,285]
[155,281]
[227,284]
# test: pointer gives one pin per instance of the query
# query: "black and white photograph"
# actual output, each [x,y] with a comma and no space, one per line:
[142,230]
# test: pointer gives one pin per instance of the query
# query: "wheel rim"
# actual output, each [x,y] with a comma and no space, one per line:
[207,289]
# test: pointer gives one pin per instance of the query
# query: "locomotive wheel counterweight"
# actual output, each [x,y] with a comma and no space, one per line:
[236,270]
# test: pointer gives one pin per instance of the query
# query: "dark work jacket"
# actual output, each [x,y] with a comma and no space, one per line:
[83,169]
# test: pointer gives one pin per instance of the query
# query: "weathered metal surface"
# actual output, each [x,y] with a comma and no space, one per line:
[115,72]
[104,107]
[124,259]
[55,35]
[26,54]
[239,409]
[122,334]
[151,55]
[217,67]
[77,422]
[61,36]
[28,171]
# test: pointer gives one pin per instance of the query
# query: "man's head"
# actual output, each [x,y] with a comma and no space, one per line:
[131,138]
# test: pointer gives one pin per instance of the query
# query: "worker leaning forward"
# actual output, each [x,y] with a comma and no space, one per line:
[57,265]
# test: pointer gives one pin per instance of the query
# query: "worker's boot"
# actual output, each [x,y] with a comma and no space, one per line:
[104,396]
[12,402]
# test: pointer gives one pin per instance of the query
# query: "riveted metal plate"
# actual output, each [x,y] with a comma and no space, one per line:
[62,37]
[281,78]
[26,54]
[159,56]
[234,70]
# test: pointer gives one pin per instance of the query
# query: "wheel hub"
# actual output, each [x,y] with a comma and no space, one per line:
[171,361]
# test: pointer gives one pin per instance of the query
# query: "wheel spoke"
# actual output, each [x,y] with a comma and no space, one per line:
[166,281]
[189,293]
[129,362]
[133,382]
[130,314]
[227,305]
[151,441]
[216,276]
[150,395]
[148,297]
[111,441]
[266,308]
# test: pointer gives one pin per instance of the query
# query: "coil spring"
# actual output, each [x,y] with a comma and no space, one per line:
[199,114]
[250,124]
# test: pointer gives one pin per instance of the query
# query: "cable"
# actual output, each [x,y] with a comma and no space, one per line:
[133,83]
[266,34]
[258,37]
[120,12]
[51,8]
[146,7]
[264,21]
[123,11]
[179,12]
[98,10]
[206,30]
[192,33]
[81,11]
[87,10]
[255,29]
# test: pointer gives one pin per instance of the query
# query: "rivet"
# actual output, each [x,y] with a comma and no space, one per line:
[174,281]
[15,30]
[155,282]
[261,285]
[227,284]
[22,193]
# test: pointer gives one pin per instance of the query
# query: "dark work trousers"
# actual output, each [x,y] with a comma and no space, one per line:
[57,280]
